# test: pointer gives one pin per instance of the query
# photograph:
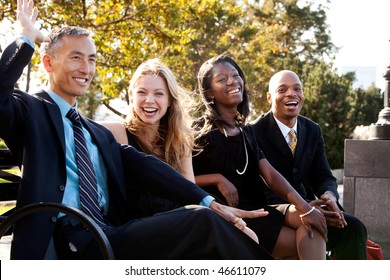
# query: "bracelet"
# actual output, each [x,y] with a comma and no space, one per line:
[307,213]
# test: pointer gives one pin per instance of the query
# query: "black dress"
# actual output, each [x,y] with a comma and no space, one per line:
[226,155]
[143,204]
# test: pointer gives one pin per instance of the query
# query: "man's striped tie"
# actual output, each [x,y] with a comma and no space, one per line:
[87,176]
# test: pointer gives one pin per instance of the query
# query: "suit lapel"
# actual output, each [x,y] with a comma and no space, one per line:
[301,137]
[105,151]
[277,139]
[100,142]
[55,116]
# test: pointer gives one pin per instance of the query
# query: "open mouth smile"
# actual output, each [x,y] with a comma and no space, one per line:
[291,103]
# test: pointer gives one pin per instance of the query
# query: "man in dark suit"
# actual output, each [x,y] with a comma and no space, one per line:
[307,168]
[39,134]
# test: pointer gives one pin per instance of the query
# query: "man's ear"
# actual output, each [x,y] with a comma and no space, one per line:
[47,61]
[269,98]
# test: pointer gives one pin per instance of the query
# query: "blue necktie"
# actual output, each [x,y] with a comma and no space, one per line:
[87,177]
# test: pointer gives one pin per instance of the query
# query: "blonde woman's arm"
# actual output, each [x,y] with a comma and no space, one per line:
[186,168]
[118,129]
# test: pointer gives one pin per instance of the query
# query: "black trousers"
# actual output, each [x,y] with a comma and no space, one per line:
[348,243]
[196,233]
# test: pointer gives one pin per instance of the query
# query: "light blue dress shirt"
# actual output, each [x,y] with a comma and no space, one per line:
[71,195]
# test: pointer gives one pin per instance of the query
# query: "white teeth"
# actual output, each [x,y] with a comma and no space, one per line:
[292,103]
[81,80]
[150,110]
[234,91]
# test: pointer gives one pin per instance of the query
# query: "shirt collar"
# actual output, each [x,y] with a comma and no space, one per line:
[284,128]
[61,103]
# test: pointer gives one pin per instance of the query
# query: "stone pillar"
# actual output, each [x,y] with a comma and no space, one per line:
[381,129]
[367,174]
[367,185]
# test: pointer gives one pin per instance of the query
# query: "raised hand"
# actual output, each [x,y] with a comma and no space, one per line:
[26,16]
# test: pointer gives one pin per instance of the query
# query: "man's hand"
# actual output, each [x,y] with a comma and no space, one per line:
[235,216]
[328,206]
[26,16]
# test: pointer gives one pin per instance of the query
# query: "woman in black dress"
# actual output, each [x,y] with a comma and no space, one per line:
[228,163]
[158,124]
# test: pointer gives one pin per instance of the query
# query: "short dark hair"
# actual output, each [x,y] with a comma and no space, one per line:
[56,35]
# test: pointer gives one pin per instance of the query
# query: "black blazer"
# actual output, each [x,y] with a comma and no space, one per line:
[308,171]
[32,128]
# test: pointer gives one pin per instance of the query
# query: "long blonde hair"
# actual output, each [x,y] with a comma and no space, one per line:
[174,138]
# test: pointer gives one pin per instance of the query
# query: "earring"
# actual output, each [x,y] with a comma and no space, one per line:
[211,102]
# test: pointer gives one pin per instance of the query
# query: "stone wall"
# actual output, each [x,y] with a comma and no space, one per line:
[367,185]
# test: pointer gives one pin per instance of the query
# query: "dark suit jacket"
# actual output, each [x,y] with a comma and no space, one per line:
[32,128]
[308,171]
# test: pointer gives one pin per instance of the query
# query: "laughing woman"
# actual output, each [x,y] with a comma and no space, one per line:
[158,123]
[229,164]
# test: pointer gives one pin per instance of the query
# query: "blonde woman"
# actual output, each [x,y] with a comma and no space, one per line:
[158,124]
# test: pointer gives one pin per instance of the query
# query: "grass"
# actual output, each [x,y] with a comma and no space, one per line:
[7,205]
[4,207]
[14,171]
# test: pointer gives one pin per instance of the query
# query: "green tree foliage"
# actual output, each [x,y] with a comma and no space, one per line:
[183,34]
[332,102]
[263,36]
[366,105]
[327,102]
[306,33]
[304,40]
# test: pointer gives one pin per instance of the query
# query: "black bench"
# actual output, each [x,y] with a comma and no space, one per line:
[9,191]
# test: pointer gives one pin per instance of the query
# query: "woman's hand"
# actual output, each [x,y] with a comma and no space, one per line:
[314,218]
[228,190]
[225,187]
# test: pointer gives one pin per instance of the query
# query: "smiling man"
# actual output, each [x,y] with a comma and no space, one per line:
[306,166]
[75,161]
